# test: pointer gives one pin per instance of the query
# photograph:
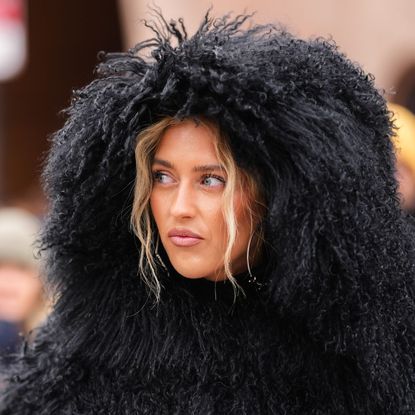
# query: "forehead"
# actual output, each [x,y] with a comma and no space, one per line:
[188,139]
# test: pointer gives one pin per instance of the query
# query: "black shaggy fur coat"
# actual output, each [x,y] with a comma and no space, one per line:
[330,331]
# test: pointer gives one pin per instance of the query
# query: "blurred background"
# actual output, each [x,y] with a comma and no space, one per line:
[48,48]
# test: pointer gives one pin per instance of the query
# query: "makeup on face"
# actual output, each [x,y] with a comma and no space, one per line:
[187,203]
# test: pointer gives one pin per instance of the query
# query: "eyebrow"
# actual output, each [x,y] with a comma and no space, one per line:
[204,167]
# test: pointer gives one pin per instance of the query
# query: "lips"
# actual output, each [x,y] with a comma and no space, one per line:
[184,237]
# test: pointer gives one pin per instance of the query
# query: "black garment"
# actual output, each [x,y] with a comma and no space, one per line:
[207,355]
[332,330]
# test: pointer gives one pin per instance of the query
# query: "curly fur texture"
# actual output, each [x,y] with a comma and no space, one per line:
[333,333]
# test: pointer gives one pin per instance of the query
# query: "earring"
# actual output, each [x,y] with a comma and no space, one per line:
[252,278]
[159,257]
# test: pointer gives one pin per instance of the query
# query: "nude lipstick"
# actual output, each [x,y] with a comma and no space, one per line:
[184,237]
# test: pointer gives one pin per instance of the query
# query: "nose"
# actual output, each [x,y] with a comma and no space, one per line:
[183,204]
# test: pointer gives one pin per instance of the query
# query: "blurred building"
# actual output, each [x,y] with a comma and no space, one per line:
[63,39]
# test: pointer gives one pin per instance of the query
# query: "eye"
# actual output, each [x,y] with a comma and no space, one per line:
[213,181]
[161,177]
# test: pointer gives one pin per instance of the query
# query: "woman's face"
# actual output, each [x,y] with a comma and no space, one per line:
[187,196]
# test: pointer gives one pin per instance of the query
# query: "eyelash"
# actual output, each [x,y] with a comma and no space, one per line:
[213,176]
[204,177]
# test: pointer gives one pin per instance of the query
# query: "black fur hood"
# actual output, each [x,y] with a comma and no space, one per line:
[338,306]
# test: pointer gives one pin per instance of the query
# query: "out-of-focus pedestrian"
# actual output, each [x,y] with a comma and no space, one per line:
[22,302]
[404,142]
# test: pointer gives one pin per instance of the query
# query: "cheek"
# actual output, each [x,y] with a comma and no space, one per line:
[218,230]
[241,211]
[243,223]
[220,233]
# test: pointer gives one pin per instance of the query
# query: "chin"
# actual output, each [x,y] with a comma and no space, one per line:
[191,277]
[186,272]
[191,272]
[189,264]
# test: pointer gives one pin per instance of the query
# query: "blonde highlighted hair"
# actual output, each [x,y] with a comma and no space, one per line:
[143,223]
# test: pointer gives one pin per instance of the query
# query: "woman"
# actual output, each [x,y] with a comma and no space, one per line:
[270,270]
[173,151]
